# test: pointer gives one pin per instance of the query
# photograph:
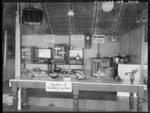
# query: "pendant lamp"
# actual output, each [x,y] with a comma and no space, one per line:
[70,12]
[107,6]
[32,16]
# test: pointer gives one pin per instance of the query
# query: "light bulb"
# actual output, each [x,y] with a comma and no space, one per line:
[107,6]
[70,13]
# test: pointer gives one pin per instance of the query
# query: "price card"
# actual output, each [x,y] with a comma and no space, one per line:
[55,86]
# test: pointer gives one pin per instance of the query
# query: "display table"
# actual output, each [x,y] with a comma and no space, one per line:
[89,84]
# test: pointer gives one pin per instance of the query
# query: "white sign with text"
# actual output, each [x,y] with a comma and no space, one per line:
[77,37]
[49,38]
[55,86]
[98,38]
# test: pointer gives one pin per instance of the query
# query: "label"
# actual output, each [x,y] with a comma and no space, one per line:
[77,37]
[49,38]
[55,86]
[99,39]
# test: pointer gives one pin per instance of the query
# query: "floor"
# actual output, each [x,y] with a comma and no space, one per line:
[39,93]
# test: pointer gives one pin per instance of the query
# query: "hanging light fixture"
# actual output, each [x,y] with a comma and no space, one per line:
[32,16]
[107,6]
[70,13]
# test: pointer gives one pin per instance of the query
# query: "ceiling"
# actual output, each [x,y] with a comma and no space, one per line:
[89,18]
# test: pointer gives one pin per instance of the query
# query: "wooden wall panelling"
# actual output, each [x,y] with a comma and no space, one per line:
[124,44]
[135,45]
[109,49]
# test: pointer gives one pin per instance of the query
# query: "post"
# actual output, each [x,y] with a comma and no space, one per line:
[5,57]
[18,53]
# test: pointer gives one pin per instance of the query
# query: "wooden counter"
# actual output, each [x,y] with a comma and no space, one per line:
[89,84]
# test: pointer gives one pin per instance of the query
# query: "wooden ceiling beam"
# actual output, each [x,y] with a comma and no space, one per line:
[95,17]
[49,25]
[119,20]
[71,21]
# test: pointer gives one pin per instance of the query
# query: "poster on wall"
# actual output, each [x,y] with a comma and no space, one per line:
[77,37]
[98,38]
[49,38]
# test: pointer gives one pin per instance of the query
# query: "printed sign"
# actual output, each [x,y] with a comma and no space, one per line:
[49,38]
[99,39]
[77,37]
[58,86]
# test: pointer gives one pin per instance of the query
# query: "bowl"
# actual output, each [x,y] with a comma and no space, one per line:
[54,75]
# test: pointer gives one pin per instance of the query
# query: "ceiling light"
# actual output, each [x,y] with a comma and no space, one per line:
[107,6]
[70,13]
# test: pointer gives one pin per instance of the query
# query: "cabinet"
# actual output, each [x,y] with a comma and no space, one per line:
[96,63]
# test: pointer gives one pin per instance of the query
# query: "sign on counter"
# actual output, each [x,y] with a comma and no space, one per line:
[58,86]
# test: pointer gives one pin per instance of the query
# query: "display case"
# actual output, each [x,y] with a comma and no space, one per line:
[28,54]
[97,63]
[75,56]
[60,53]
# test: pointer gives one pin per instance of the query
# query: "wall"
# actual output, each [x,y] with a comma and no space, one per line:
[130,43]
[106,49]
[10,70]
[9,12]
[124,44]
[133,43]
